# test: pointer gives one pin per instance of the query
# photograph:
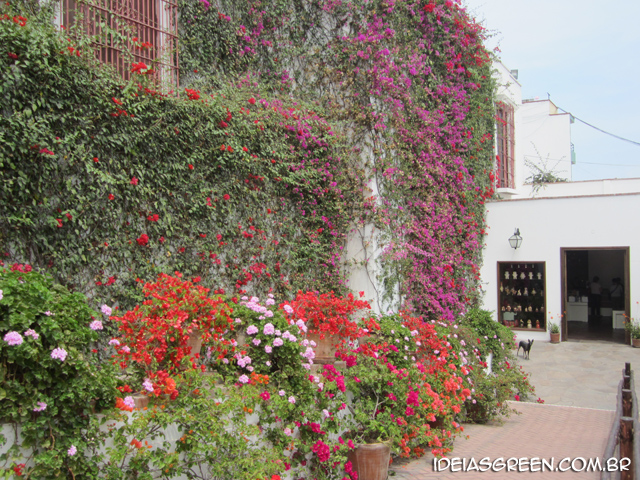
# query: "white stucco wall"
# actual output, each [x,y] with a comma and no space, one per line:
[546,225]
[544,137]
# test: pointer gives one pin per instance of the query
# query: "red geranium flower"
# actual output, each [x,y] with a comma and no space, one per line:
[190,167]
[252,101]
[111,196]
[14,56]
[226,196]
[134,181]
[59,220]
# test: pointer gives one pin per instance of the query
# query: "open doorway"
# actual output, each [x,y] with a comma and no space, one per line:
[590,315]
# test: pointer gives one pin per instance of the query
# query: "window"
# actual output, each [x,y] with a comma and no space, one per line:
[149,28]
[505,145]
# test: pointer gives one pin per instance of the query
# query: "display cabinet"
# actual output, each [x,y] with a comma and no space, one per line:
[521,295]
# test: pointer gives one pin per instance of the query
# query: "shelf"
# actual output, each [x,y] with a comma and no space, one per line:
[516,307]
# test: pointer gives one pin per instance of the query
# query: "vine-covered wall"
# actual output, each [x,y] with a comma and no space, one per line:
[410,81]
[297,123]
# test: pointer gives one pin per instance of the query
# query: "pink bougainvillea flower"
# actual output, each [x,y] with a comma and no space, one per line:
[72,450]
[134,181]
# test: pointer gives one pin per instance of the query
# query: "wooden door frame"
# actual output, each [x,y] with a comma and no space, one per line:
[564,328]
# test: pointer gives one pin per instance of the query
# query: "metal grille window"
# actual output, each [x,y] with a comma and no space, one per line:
[505,145]
[149,28]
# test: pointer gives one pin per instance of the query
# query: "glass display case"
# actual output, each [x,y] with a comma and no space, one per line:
[521,295]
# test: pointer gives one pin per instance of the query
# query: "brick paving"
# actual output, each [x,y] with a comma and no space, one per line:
[542,431]
[578,381]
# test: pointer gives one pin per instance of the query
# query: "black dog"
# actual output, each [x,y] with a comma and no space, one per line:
[526,348]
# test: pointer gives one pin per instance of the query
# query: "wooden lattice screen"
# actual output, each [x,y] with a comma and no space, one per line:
[152,23]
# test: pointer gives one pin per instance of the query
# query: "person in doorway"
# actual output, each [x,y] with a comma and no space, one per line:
[595,297]
[616,293]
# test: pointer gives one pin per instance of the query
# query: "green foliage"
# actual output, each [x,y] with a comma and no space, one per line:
[47,317]
[206,434]
[506,381]
[632,326]
[494,336]
[90,165]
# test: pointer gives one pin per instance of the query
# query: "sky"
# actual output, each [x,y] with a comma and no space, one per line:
[585,54]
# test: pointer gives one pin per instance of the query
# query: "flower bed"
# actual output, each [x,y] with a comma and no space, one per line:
[274,412]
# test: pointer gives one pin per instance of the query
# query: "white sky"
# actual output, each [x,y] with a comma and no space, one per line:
[586,55]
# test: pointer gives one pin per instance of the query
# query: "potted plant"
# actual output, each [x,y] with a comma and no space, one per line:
[633,327]
[554,332]
[327,319]
[163,337]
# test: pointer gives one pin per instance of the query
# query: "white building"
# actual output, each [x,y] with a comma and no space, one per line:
[571,231]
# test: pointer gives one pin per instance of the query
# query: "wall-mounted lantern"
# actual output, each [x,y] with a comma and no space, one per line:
[515,240]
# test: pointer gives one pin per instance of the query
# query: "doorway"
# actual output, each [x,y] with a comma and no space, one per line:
[587,315]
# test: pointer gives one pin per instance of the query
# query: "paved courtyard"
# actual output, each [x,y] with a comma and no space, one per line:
[578,381]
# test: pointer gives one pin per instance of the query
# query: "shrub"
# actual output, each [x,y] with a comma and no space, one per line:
[154,339]
[50,379]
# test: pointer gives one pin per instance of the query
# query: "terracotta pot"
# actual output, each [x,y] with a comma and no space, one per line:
[635,342]
[325,350]
[555,337]
[371,461]
[195,341]
[141,401]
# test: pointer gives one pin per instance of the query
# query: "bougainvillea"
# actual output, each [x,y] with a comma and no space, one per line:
[298,126]
[241,188]
[410,81]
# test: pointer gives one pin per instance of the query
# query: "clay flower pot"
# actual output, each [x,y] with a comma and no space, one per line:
[555,337]
[325,350]
[195,341]
[635,342]
[371,461]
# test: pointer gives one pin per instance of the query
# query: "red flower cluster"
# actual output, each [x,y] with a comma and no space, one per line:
[192,94]
[157,332]
[327,314]
[143,239]
[21,267]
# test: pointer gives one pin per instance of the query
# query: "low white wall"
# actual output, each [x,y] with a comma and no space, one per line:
[546,225]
